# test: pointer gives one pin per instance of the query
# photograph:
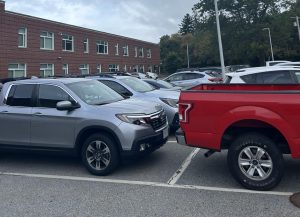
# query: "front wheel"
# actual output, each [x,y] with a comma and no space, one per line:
[99,154]
[255,162]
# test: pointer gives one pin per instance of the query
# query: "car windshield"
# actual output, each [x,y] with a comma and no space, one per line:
[94,92]
[137,84]
[165,84]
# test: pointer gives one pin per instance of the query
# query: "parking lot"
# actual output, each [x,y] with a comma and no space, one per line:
[173,181]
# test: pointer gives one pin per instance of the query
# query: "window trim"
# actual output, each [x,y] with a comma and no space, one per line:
[149,51]
[25,69]
[24,37]
[67,68]
[86,41]
[47,37]
[105,45]
[87,68]
[53,73]
[127,50]
[63,49]
[117,49]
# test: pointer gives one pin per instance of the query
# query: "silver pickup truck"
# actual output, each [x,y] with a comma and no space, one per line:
[79,114]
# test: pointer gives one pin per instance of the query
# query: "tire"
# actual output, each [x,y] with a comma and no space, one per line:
[255,162]
[99,154]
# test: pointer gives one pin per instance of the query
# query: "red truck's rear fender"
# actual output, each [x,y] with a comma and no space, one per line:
[245,113]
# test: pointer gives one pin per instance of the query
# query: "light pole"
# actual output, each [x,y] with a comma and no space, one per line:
[270,42]
[220,40]
[297,23]
[187,55]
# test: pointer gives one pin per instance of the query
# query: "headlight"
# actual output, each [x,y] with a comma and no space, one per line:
[137,119]
[171,102]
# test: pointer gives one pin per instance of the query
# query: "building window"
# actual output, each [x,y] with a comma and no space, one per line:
[142,68]
[22,37]
[86,45]
[149,68]
[125,50]
[47,41]
[84,69]
[149,54]
[102,47]
[46,70]
[67,43]
[135,68]
[99,68]
[117,49]
[113,68]
[65,69]
[135,52]
[125,68]
[16,70]
[141,52]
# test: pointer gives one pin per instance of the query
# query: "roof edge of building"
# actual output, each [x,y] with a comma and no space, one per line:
[78,27]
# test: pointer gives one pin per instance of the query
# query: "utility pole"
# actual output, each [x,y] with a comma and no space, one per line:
[297,23]
[270,42]
[220,40]
[187,55]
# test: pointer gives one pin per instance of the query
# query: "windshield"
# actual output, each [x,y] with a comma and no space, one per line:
[137,84]
[94,92]
[165,83]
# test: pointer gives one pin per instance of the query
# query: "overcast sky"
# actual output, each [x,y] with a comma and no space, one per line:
[141,19]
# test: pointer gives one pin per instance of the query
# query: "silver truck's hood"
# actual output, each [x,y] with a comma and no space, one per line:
[172,94]
[132,106]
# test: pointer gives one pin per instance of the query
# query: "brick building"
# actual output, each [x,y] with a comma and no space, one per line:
[34,46]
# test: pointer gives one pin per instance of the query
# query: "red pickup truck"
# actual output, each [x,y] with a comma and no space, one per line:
[256,123]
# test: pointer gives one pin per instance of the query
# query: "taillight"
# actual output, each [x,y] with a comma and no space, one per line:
[184,109]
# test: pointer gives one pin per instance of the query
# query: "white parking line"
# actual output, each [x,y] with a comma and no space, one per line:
[183,167]
[150,184]
[172,141]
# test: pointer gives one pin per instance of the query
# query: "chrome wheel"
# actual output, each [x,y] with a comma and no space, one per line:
[98,155]
[255,163]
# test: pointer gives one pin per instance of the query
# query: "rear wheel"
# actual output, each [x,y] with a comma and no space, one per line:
[255,161]
[99,154]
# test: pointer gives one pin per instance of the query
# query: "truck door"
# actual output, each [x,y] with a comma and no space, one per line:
[15,115]
[49,126]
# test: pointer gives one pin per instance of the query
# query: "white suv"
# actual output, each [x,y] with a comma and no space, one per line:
[265,75]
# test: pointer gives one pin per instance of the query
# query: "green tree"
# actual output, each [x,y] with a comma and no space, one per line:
[187,25]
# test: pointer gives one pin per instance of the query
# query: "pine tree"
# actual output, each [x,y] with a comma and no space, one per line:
[187,25]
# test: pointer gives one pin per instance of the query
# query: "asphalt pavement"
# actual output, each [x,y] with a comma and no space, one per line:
[173,181]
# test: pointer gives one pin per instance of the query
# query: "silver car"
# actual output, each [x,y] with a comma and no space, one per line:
[82,115]
[138,89]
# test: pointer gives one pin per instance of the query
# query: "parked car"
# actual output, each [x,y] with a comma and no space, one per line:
[289,64]
[82,115]
[161,84]
[152,75]
[265,75]
[256,123]
[233,68]
[275,62]
[138,89]
[193,78]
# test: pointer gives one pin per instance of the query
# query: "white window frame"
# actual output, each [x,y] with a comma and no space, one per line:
[64,40]
[125,51]
[113,67]
[20,67]
[49,66]
[65,68]
[150,68]
[24,36]
[84,67]
[99,68]
[104,44]
[149,53]
[48,37]
[141,49]
[125,68]
[135,51]
[86,45]
[142,67]
[117,49]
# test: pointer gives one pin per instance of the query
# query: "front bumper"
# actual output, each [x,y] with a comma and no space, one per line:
[148,143]
[180,137]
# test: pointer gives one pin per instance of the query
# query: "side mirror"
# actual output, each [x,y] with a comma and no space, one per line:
[66,106]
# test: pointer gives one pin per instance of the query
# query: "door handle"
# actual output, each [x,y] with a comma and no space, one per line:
[37,113]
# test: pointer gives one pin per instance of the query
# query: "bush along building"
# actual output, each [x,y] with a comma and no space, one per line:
[31,46]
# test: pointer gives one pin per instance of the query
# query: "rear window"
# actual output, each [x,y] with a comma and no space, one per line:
[272,77]
[20,95]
